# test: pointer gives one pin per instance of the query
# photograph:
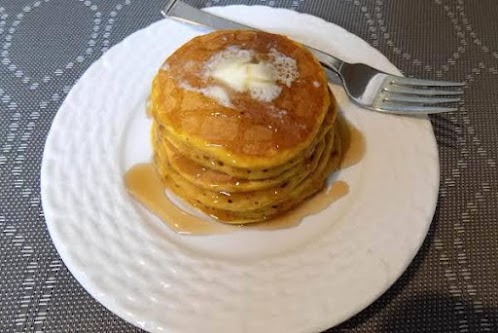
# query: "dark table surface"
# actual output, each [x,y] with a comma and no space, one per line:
[451,286]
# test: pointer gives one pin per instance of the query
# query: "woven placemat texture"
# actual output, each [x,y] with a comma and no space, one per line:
[451,286]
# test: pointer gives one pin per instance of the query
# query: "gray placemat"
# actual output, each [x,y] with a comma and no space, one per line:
[451,286]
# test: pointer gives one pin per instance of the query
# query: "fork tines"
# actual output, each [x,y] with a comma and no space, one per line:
[420,95]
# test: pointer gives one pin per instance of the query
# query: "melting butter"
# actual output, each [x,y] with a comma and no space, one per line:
[259,79]
[241,75]
[237,69]
[217,93]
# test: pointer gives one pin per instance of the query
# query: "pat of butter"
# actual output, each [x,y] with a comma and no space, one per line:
[241,75]
[235,68]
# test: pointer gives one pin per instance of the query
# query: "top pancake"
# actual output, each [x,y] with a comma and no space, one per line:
[244,132]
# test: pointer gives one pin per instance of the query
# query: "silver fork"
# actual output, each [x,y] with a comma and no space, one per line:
[365,85]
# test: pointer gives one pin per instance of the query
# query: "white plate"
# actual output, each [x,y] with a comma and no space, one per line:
[303,279]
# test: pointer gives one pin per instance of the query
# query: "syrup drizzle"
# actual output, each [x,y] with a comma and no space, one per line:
[145,185]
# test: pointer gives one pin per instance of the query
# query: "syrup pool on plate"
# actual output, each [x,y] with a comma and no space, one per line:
[144,184]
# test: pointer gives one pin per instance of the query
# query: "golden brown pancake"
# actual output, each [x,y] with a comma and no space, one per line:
[249,133]
[163,143]
[244,126]
[248,199]
[260,206]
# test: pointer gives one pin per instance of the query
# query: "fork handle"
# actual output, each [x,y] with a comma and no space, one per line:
[181,11]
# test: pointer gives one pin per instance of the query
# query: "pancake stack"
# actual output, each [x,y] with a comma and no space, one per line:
[244,125]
